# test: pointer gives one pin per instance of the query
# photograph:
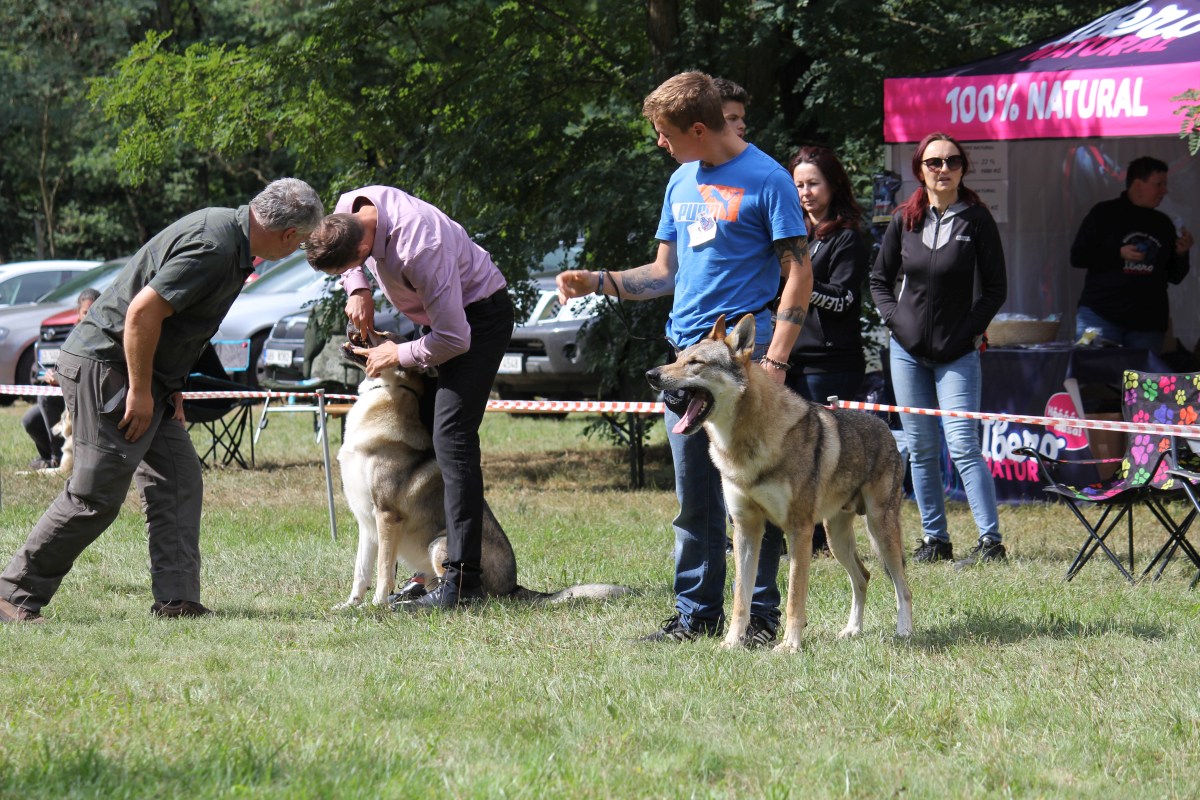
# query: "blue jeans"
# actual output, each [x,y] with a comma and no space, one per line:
[700,538]
[818,387]
[1147,340]
[954,386]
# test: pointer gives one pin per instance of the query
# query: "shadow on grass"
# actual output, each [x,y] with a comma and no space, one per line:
[578,470]
[992,630]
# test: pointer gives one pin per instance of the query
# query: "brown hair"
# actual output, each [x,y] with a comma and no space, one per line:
[843,208]
[333,244]
[913,210]
[684,100]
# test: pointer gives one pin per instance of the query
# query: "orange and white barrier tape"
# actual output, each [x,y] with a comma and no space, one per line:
[1185,431]
[614,407]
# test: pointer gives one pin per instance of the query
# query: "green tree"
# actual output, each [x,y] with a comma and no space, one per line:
[522,119]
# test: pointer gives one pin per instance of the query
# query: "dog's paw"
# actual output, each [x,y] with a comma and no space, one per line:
[353,602]
[850,631]
[787,646]
[731,642]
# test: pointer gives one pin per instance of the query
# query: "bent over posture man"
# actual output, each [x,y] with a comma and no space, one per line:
[731,224]
[120,370]
[430,269]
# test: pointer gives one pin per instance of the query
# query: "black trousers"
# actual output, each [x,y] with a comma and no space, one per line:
[39,422]
[458,404]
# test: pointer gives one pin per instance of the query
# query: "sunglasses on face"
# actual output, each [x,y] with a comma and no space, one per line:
[953,163]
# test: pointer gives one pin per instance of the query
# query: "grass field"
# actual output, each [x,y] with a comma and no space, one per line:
[1014,684]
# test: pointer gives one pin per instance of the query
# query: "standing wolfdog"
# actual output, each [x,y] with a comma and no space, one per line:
[792,462]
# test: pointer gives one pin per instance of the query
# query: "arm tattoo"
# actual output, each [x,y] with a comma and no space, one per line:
[640,281]
[793,315]
[791,250]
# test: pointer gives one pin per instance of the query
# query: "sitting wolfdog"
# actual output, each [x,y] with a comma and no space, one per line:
[791,462]
[394,487]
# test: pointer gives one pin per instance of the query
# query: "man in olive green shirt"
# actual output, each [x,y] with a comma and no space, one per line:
[120,370]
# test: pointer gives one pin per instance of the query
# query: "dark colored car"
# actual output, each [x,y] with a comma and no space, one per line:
[285,366]
[543,358]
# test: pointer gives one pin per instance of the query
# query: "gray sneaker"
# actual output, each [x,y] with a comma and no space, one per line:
[986,550]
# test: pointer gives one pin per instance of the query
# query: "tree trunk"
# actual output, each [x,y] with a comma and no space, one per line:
[662,26]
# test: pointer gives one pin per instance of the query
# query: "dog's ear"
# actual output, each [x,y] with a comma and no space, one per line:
[718,329]
[741,341]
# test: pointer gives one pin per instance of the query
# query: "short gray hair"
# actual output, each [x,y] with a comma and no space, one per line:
[288,203]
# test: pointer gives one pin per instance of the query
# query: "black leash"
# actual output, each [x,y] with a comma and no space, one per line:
[623,315]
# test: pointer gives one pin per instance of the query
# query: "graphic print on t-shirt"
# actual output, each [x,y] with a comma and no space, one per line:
[720,203]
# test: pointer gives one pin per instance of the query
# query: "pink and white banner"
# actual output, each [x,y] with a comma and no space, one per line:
[1038,105]
[1114,76]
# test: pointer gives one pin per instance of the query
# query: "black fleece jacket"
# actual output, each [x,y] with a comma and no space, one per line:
[831,339]
[934,314]
[1128,293]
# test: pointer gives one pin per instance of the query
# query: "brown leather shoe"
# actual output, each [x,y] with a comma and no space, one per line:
[178,608]
[11,613]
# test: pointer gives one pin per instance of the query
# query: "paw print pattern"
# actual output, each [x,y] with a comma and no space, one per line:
[1166,383]
[1164,415]
[1150,390]
[1141,449]
[1131,380]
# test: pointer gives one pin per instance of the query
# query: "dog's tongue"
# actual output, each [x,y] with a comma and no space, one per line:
[689,416]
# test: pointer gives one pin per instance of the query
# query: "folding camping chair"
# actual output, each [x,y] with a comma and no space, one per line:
[225,420]
[1143,477]
[1189,481]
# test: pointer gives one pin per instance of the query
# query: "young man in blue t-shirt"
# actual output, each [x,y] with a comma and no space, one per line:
[731,223]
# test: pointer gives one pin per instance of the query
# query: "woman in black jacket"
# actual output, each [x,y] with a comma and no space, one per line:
[827,358]
[942,242]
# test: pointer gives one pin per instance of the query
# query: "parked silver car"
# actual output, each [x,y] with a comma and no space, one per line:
[283,289]
[24,282]
[21,325]
[543,358]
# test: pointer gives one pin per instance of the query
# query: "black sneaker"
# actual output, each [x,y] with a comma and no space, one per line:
[445,597]
[986,550]
[758,634]
[676,630]
[931,550]
[174,609]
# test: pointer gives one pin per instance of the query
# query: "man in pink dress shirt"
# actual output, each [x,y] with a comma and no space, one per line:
[432,272]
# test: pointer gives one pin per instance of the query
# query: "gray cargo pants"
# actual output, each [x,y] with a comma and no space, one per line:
[164,464]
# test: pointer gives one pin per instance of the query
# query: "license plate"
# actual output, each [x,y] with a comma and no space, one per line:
[512,364]
[48,357]
[278,358]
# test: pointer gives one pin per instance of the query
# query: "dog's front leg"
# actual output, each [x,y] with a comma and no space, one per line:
[364,563]
[749,526]
[799,561]
[390,527]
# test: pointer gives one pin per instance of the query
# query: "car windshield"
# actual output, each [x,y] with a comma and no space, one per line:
[548,309]
[97,278]
[292,274]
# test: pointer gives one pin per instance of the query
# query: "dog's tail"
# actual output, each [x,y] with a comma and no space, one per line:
[583,591]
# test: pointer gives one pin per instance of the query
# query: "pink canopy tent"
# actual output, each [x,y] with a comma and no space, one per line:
[1051,127]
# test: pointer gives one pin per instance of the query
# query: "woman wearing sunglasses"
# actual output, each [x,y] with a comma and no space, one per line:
[940,245]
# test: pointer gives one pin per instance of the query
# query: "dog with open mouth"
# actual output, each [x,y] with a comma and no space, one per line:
[791,462]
